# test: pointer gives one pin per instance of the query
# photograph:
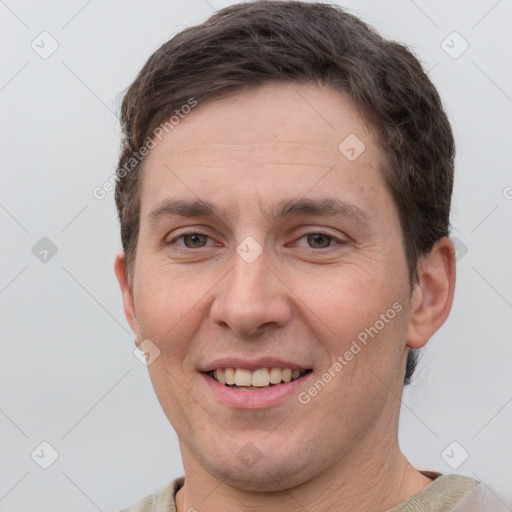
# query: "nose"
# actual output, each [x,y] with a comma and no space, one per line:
[252,299]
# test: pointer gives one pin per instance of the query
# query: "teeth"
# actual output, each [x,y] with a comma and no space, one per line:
[220,376]
[243,377]
[229,375]
[259,378]
[275,375]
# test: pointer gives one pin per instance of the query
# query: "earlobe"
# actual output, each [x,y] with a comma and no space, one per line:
[433,294]
[127,294]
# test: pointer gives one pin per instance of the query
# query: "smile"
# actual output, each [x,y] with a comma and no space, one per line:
[261,378]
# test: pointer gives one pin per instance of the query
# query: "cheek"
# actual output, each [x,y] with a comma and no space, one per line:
[170,307]
[358,316]
[349,297]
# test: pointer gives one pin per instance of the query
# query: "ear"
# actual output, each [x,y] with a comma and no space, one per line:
[127,293]
[433,294]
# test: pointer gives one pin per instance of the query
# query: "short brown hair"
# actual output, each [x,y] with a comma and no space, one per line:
[250,44]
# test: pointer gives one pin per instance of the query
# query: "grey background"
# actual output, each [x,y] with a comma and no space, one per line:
[68,375]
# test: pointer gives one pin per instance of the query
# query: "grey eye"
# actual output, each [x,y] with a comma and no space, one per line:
[195,239]
[319,240]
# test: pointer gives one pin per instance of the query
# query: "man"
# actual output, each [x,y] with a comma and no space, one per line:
[284,195]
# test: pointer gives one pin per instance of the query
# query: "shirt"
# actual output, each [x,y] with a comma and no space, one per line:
[446,493]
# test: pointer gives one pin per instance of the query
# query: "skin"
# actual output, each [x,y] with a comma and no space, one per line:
[303,299]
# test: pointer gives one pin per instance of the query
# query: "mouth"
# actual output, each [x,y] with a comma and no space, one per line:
[253,380]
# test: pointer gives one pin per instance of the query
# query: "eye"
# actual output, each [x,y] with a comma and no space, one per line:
[319,240]
[191,240]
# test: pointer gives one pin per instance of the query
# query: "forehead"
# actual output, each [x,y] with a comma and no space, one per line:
[274,140]
[292,114]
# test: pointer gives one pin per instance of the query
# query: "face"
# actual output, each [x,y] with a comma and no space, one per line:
[266,252]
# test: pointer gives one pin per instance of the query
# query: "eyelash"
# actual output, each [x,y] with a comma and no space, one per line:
[328,235]
[188,233]
[183,235]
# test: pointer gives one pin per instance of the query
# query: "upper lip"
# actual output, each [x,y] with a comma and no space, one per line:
[252,364]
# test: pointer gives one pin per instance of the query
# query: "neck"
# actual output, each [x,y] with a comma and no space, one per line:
[377,478]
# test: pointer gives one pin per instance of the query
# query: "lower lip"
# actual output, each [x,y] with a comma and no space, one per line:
[258,398]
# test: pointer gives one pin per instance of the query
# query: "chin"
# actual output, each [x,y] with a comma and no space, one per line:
[266,472]
[262,481]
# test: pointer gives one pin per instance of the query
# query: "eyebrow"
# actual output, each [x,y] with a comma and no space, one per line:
[326,207]
[187,208]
